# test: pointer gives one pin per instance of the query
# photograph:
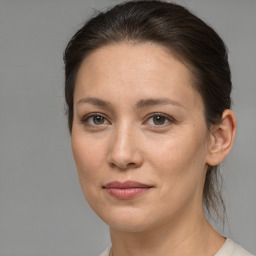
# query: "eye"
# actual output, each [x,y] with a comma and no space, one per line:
[158,119]
[94,120]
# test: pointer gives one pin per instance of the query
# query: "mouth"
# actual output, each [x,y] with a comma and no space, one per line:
[126,190]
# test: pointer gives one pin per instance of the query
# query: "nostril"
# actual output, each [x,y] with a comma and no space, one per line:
[124,156]
[112,165]
[130,164]
[122,166]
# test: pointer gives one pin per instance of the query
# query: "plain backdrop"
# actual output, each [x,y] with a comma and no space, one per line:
[42,209]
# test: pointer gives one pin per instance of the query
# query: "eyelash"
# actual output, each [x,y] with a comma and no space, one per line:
[85,119]
[166,117]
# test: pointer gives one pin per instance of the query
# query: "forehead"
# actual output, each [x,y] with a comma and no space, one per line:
[126,57]
[142,68]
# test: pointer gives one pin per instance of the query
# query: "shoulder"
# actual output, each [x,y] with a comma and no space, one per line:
[230,248]
[106,252]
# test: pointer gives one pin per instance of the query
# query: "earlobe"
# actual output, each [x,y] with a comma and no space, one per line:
[221,138]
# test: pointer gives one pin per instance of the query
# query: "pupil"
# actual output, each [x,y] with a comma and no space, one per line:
[98,120]
[158,120]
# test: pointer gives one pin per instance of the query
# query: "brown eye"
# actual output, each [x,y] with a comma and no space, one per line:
[94,120]
[159,120]
[98,120]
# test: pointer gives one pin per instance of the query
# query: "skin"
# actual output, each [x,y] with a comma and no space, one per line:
[128,144]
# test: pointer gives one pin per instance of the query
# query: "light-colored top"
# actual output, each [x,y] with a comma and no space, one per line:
[229,248]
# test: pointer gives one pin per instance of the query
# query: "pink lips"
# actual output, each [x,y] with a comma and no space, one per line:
[126,190]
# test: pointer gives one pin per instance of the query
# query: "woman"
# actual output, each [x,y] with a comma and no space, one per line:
[148,101]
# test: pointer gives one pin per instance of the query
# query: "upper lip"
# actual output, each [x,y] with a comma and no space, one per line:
[126,184]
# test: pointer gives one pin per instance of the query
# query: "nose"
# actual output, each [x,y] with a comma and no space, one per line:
[125,152]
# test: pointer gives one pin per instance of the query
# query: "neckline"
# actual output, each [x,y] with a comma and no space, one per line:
[225,249]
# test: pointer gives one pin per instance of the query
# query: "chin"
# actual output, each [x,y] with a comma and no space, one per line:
[129,226]
[128,219]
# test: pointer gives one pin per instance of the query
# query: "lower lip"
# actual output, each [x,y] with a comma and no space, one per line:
[126,193]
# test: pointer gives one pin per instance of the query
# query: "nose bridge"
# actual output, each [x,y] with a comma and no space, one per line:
[124,150]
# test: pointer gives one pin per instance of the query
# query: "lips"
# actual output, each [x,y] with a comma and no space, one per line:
[126,190]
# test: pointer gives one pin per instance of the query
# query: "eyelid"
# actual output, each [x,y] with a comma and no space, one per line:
[169,118]
[86,117]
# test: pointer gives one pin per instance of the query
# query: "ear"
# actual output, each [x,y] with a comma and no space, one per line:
[221,138]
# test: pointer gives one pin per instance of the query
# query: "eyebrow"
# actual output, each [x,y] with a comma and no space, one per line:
[161,101]
[94,101]
[139,104]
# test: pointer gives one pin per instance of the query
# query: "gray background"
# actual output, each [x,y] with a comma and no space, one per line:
[42,209]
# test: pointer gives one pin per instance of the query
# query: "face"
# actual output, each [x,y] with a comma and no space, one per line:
[139,136]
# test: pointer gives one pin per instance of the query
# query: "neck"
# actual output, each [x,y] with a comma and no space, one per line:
[194,236]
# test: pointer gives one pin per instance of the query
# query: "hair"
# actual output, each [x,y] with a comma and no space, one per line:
[190,39]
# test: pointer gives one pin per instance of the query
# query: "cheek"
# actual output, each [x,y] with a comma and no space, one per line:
[177,150]
[89,158]
[180,164]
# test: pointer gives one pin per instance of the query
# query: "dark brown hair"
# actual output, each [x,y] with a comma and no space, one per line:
[189,38]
